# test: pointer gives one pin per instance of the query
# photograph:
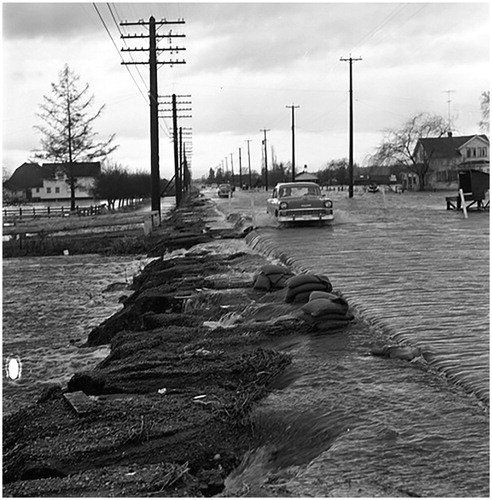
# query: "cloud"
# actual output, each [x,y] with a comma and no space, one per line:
[46,20]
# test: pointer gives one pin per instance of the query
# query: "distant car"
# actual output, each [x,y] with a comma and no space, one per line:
[299,202]
[225,191]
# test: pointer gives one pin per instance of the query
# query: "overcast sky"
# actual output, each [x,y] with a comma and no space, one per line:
[245,62]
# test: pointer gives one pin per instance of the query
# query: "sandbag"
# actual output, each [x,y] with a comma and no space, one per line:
[320,307]
[327,295]
[303,279]
[271,276]
[305,290]
[274,269]
[262,282]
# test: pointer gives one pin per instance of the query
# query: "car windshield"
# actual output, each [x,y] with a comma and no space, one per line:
[299,191]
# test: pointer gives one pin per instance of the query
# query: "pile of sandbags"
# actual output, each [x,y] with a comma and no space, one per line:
[271,277]
[326,311]
[300,287]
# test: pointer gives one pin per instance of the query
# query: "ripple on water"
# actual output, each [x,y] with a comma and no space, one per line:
[50,305]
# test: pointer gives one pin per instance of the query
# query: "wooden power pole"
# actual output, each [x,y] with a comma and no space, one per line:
[350,59]
[265,130]
[293,144]
[153,50]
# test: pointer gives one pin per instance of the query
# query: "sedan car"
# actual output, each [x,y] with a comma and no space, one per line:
[299,202]
[224,191]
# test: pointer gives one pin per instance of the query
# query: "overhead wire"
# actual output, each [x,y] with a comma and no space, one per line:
[165,129]
[116,47]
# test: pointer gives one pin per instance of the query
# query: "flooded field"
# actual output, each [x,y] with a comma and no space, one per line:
[50,304]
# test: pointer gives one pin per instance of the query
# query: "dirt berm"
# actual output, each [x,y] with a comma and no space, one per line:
[167,412]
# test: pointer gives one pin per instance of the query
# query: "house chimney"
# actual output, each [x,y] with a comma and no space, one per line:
[450,134]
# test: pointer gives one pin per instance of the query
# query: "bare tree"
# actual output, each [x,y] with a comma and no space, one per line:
[398,147]
[484,123]
[67,134]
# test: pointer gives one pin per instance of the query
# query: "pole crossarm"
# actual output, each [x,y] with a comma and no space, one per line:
[147,62]
[141,22]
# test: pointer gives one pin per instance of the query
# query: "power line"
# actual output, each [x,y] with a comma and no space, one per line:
[116,47]
[121,34]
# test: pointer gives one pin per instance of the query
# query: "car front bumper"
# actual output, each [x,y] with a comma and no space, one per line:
[305,215]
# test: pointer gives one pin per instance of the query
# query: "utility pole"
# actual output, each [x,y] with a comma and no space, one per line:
[249,163]
[176,139]
[449,92]
[177,178]
[293,144]
[240,171]
[153,95]
[265,130]
[232,169]
[350,59]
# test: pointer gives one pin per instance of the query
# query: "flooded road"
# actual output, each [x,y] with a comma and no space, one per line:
[410,268]
[352,424]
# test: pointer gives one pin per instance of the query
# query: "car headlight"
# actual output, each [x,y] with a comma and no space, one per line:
[328,204]
[283,205]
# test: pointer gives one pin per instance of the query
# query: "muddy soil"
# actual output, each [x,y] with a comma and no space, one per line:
[167,412]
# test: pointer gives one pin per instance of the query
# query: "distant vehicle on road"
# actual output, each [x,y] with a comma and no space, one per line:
[299,202]
[225,191]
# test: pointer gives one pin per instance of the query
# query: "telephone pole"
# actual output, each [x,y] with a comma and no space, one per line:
[449,92]
[265,130]
[249,163]
[153,51]
[240,171]
[350,59]
[293,144]
[177,140]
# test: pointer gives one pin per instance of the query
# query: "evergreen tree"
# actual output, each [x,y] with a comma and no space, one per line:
[67,134]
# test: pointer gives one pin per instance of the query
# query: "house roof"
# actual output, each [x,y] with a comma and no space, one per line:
[27,176]
[82,169]
[447,147]
[31,175]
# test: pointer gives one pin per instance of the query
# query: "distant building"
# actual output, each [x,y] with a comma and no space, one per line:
[49,182]
[447,156]
[306,176]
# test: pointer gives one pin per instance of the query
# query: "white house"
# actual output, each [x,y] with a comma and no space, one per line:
[50,182]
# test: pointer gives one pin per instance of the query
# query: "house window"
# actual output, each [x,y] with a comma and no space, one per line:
[452,175]
[48,190]
[57,189]
[37,190]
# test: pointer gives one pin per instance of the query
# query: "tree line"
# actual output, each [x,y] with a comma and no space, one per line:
[68,138]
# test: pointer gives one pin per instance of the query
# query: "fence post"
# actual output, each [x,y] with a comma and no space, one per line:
[462,196]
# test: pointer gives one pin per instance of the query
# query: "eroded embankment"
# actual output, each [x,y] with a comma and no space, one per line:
[167,412]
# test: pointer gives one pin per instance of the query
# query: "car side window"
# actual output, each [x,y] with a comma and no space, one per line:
[274,194]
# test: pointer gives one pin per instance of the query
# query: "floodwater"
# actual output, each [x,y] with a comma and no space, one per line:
[352,424]
[50,304]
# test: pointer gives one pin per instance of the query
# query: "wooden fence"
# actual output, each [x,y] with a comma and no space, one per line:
[11,214]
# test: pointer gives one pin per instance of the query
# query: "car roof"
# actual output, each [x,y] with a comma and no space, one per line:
[290,184]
